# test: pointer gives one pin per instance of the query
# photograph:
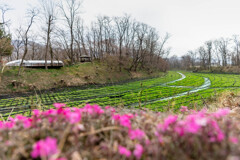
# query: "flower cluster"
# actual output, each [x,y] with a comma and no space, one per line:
[93,132]
[196,123]
[45,148]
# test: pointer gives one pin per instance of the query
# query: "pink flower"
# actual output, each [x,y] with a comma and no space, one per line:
[124,151]
[59,105]
[124,120]
[73,117]
[98,109]
[58,159]
[44,148]
[159,136]
[215,134]
[184,109]
[110,108]
[136,134]
[36,112]
[92,110]
[202,121]
[50,112]
[147,142]
[9,125]
[167,121]
[19,118]
[234,140]
[221,112]
[220,136]
[180,128]
[138,151]
[107,107]
[192,127]
[2,125]
[190,124]
[27,123]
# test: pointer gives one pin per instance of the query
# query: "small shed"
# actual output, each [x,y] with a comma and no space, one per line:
[85,58]
[36,63]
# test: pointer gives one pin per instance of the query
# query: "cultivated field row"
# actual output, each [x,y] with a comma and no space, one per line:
[170,91]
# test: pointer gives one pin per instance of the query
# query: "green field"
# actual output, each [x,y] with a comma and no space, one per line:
[169,91]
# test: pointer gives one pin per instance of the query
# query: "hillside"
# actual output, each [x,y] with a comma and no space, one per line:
[76,75]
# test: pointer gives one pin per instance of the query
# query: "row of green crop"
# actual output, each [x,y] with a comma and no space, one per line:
[93,93]
[191,100]
[136,97]
[223,80]
[217,80]
[191,80]
[146,93]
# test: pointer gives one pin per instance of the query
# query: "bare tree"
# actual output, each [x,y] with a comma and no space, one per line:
[164,40]
[32,13]
[223,49]
[62,42]
[4,8]
[236,41]
[174,62]
[33,46]
[216,52]
[48,12]
[79,38]
[70,10]
[186,62]
[193,57]
[18,43]
[203,56]
[138,45]
[209,53]
[122,24]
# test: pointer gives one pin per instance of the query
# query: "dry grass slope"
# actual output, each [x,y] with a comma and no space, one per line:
[80,74]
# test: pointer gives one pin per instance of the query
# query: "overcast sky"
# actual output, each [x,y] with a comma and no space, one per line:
[190,22]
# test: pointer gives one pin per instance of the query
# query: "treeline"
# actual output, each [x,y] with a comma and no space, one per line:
[213,53]
[130,44]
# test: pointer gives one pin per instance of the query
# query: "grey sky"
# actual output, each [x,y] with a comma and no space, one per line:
[190,22]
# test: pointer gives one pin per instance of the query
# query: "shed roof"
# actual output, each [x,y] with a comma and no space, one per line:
[32,62]
[85,56]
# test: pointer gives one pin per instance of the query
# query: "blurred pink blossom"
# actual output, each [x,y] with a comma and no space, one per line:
[184,109]
[124,120]
[110,108]
[138,151]
[221,112]
[92,109]
[234,140]
[45,148]
[136,134]
[167,121]
[124,151]
[73,117]
[36,112]
[59,105]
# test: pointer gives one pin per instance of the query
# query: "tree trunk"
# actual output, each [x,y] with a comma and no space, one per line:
[24,55]
[48,39]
